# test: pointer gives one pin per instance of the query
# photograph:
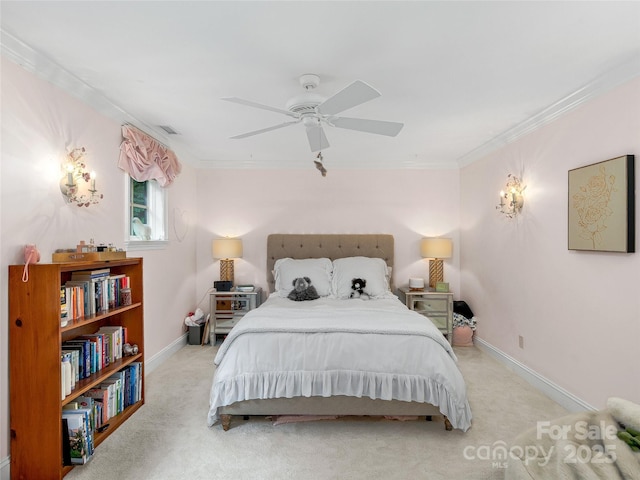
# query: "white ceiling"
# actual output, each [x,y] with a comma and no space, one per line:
[462,76]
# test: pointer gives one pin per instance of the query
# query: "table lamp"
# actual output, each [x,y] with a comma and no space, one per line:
[435,249]
[226,249]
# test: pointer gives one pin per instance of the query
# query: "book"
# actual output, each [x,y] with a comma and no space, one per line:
[65,295]
[98,294]
[114,289]
[136,368]
[66,444]
[85,346]
[95,351]
[80,372]
[118,378]
[106,349]
[90,274]
[100,354]
[112,407]
[115,336]
[97,281]
[81,300]
[101,395]
[77,434]
[88,402]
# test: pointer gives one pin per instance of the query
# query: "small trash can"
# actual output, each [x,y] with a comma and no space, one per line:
[195,335]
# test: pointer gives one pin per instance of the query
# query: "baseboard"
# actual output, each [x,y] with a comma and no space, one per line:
[550,389]
[5,472]
[154,362]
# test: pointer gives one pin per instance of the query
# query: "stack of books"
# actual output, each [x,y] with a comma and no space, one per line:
[90,292]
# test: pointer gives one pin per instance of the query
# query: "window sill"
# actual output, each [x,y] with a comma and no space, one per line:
[133,245]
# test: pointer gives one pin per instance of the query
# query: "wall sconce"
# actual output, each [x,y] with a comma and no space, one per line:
[76,177]
[436,248]
[226,249]
[512,198]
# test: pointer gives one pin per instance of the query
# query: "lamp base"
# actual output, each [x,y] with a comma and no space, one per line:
[226,270]
[436,272]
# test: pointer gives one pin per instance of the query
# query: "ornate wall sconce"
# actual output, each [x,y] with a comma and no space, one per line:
[77,184]
[512,198]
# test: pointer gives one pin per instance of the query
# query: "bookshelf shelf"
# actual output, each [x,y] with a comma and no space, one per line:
[78,322]
[88,383]
[35,348]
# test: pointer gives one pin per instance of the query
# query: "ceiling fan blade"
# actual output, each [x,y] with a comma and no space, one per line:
[391,129]
[263,130]
[249,103]
[317,139]
[355,94]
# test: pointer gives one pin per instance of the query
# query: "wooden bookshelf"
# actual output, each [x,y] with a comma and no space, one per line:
[35,338]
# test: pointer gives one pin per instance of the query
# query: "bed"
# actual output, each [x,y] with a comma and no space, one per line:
[335,355]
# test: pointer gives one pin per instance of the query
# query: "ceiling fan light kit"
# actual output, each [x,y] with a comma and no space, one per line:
[313,110]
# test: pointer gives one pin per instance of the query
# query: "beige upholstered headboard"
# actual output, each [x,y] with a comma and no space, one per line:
[282,245]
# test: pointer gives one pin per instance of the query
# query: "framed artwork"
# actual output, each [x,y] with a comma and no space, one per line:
[602,206]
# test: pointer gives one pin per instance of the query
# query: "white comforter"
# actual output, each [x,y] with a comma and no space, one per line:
[364,348]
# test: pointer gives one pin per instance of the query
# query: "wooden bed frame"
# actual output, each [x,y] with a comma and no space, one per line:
[327,246]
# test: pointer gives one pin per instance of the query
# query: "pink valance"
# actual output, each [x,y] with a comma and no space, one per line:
[144,158]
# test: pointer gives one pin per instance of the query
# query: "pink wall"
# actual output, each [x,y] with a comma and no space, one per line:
[39,122]
[579,312]
[251,204]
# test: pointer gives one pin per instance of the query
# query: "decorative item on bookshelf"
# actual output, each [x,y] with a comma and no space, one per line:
[129,350]
[125,297]
[88,252]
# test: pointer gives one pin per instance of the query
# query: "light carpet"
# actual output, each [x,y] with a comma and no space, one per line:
[169,439]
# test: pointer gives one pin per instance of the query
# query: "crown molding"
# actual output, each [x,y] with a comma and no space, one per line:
[619,75]
[39,64]
[333,164]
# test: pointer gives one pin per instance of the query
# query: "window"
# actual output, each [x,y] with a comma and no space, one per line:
[146,215]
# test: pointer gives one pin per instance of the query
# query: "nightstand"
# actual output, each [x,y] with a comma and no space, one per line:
[227,308]
[437,306]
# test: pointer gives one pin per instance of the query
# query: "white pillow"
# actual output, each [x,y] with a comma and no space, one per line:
[373,270]
[286,270]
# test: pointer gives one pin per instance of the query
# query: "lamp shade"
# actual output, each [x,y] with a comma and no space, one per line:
[435,247]
[226,248]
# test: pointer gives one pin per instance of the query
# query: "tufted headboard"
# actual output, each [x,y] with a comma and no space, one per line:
[283,245]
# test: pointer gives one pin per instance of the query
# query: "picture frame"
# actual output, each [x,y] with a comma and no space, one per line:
[442,287]
[601,206]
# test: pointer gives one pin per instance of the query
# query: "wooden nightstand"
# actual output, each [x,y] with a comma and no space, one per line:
[227,308]
[437,306]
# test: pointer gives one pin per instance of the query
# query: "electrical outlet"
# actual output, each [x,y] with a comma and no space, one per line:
[521,341]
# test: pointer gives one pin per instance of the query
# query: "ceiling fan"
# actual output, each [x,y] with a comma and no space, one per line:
[313,111]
